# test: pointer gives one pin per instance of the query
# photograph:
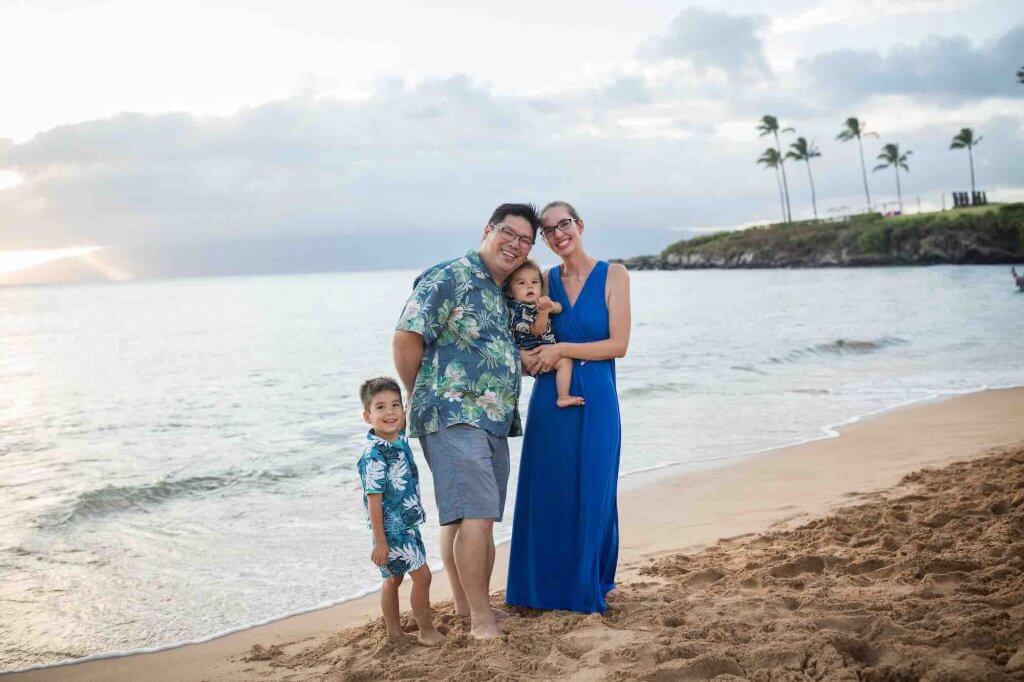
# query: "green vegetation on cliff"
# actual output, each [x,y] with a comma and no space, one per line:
[989,234]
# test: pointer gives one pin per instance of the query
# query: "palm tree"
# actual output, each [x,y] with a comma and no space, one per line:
[771,159]
[801,150]
[892,157]
[770,126]
[966,139]
[855,129]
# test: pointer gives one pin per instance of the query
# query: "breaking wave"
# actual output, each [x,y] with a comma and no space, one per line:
[841,347]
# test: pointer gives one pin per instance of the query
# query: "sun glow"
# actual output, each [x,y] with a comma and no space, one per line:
[13,261]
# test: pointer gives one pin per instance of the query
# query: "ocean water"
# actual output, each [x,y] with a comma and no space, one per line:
[177,458]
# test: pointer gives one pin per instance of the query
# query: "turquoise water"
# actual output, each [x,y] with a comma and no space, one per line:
[177,457]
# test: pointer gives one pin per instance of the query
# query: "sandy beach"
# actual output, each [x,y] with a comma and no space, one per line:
[895,551]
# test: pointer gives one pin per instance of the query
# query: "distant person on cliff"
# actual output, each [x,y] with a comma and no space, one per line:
[455,353]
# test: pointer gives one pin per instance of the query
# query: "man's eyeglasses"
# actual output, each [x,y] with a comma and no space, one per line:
[562,226]
[511,237]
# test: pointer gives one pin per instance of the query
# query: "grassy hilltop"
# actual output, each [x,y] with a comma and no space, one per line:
[988,234]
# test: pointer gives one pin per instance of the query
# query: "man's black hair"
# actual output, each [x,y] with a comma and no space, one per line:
[372,387]
[527,212]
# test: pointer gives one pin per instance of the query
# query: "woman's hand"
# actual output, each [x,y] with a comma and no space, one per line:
[529,360]
[547,356]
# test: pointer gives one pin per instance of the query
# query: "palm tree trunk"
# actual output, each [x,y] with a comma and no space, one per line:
[785,185]
[899,194]
[970,155]
[814,199]
[778,185]
[864,172]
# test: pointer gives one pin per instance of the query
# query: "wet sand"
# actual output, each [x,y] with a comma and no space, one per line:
[895,551]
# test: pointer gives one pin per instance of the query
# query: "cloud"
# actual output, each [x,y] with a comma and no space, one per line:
[945,67]
[861,12]
[711,39]
[409,172]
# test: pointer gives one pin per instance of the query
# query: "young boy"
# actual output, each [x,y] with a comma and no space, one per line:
[391,499]
[531,323]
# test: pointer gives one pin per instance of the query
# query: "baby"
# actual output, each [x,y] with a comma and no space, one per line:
[531,323]
[391,499]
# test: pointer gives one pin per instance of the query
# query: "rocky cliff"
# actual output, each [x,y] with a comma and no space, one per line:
[989,235]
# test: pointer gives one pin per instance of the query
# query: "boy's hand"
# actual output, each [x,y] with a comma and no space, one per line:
[545,304]
[379,555]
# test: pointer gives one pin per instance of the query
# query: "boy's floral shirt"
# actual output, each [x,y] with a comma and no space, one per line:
[389,469]
[471,371]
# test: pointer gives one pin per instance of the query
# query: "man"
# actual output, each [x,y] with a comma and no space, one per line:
[454,352]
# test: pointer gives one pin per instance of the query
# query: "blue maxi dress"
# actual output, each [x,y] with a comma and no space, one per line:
[565,533]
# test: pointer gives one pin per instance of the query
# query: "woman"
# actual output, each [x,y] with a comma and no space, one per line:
[565,540]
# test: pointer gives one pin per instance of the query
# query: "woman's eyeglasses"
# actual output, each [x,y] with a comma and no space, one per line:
[562,226]
[510,236]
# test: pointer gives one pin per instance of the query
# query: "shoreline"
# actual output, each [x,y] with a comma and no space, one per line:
[637,491]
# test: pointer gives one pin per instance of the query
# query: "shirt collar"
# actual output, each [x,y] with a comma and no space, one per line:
[478,267]
[377,440]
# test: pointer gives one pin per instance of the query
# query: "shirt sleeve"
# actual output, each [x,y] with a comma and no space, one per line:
[373,472]
[426,312]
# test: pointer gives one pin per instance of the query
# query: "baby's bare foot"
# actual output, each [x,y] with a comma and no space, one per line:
[569,401]
[430,637]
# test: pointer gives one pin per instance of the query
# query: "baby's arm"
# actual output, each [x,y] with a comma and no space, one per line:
[545,309]
[374,503]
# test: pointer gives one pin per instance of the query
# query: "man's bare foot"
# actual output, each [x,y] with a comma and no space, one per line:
[401,637]
[486,630]
[498,615]
[430,637]
[569,401]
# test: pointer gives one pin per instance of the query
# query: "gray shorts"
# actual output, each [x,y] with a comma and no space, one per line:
[470,468]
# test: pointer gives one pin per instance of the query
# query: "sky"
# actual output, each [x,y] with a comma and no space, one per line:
[187,138]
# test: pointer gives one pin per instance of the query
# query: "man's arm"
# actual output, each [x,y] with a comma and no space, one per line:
[407,349]
[374,503]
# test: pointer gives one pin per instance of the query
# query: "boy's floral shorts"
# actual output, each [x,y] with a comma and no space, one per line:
[406,552]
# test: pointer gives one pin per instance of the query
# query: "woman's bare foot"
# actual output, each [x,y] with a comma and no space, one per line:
[569,401]
[430,637]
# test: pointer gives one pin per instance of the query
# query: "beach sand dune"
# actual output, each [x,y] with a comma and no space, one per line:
[924,581]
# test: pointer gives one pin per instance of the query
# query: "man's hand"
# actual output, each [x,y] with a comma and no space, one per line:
[529,359]
[379,555]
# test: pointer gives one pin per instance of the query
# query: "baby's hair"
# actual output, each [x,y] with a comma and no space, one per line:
[527,265]
[372,387]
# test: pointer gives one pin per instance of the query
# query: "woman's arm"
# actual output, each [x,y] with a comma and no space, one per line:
[619,323]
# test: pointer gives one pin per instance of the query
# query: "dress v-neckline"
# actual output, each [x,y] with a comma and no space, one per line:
[572,304]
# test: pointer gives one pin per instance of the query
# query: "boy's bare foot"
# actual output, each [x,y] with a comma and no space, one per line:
[569,401]
[430,637]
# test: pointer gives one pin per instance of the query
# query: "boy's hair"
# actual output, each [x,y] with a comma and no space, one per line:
[527,265]
[372,387]
[527,212]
